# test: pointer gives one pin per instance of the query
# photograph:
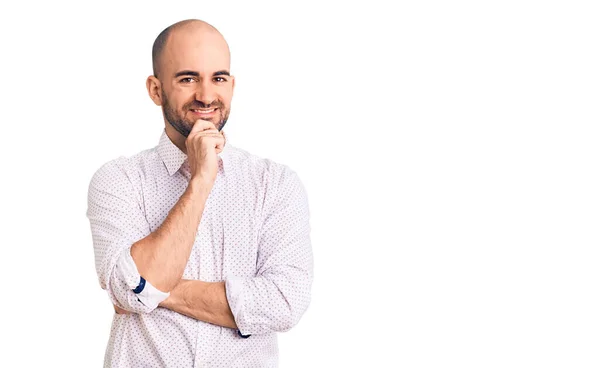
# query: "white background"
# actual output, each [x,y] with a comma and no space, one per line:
[449,149]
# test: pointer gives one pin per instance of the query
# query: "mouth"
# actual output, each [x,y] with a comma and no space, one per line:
[203,113]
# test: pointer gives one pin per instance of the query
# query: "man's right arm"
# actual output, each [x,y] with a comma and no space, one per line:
[125,249]
[161,257]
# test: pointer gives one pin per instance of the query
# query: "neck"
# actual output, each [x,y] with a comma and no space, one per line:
[175,137]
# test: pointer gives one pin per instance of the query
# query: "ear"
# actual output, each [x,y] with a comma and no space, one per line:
[154,90]
[232,82]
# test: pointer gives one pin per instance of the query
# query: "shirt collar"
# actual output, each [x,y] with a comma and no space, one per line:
[174,158]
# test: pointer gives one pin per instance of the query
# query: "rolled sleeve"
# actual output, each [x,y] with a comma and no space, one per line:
[117,221]
[127,272]
[277,297]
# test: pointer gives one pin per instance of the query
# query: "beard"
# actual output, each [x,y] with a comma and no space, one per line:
[184,126]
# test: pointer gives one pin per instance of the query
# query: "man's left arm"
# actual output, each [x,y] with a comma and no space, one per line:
[204,301]
[279,294]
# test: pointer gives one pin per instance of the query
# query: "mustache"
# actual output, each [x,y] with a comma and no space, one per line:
[201,105]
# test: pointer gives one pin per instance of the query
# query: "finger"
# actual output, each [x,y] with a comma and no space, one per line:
[216,138]
[220,143]
[197,137]
[120,311]
[206,133]
[201,125]
[220,146]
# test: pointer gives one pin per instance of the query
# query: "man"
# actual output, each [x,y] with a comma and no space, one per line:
[203,248]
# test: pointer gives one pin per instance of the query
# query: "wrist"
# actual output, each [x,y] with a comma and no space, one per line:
[167,303]
[176,297]
[200,185]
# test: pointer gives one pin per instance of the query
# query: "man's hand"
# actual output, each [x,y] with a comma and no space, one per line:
[203,144]
[120,311]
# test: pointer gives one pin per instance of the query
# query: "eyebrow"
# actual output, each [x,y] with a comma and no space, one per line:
[187,72]
[196,74]
[221,72]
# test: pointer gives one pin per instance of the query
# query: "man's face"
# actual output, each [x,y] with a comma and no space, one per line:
[195,80]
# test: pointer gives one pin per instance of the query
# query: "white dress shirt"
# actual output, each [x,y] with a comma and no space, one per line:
[254,235]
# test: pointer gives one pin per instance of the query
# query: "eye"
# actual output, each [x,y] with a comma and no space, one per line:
[187,80]
[220,79]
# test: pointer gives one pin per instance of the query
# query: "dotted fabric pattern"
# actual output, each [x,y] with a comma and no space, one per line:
[254,235]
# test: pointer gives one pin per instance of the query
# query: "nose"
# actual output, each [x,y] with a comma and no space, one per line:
[205,92]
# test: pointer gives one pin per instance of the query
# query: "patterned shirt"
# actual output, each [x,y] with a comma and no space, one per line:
[254,235]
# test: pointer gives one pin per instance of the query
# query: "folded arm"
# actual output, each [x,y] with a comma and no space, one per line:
[126,250]
[279,294]
[204,301]
[161,257]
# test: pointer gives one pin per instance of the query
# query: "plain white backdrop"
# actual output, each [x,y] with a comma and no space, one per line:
[450,151]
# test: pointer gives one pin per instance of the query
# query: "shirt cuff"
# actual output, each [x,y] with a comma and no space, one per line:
[128,272]
[234,290]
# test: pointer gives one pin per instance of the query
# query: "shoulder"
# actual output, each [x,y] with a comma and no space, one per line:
[122,171]
[271,176]
[243,160]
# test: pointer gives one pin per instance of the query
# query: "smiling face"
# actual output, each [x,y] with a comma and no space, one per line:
[193,80]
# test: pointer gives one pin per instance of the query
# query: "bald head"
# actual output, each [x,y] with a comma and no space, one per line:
[192,79]
[186,28]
